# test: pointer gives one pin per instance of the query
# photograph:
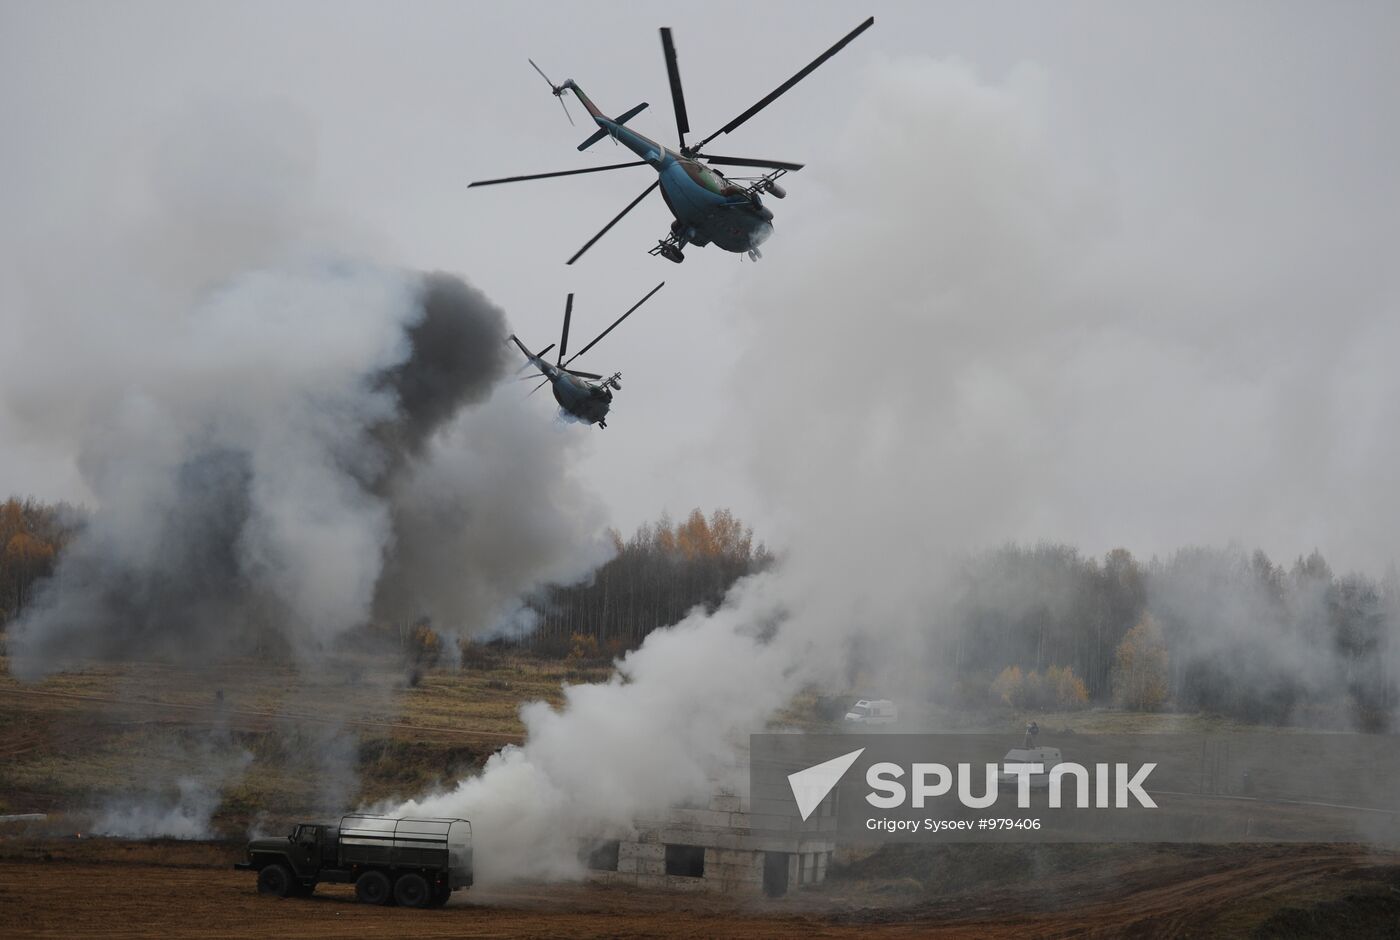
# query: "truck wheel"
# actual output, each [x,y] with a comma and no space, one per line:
[411,890]
[275,879]
[372,888]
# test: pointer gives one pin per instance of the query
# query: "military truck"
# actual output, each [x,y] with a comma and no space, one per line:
[410,862]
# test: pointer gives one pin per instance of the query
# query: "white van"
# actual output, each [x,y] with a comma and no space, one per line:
[873,712]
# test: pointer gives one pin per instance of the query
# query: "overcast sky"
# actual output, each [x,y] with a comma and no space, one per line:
[1112,273]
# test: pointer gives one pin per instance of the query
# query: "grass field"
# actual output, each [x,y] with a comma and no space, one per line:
[76,742]
[361,729]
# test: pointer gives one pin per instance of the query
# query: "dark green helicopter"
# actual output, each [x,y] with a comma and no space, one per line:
[582,399]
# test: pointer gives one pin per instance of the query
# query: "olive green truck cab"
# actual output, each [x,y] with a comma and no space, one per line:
[410,862]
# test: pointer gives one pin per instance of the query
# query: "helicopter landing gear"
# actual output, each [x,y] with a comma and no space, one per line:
[671,253]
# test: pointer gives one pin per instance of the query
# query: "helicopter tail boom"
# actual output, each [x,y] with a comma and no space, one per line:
[606,125]
[536,359]
[587,102]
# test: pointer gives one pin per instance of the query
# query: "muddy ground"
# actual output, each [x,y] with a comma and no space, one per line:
[115,888]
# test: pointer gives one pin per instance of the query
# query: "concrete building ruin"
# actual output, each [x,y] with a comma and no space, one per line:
[732,844]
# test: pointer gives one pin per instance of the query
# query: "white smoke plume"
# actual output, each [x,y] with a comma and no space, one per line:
[280,437]
[182,812]
[662,730]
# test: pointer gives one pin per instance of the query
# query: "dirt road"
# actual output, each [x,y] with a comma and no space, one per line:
[111,888]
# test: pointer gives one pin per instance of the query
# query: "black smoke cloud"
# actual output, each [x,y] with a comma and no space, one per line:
[457,354]
[265,485]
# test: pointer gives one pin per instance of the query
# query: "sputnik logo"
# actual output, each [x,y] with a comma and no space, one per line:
[810,786]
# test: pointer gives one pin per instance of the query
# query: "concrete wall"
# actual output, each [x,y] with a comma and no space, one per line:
[736,844]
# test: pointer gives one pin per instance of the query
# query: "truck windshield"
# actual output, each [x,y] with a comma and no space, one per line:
[861,710]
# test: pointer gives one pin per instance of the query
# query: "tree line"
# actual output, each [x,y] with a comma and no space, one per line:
[1214,630]
[1221,631]
[655,577]
[31,536]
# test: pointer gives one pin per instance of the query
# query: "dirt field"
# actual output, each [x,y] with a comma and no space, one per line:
[74,742]
[112,888]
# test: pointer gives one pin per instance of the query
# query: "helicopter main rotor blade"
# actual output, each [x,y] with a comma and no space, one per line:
[616,322]
[586,375]
[777,92]
[630,206]
[677,94]
[538,387]
[748,161]
[541,176]
[564,340]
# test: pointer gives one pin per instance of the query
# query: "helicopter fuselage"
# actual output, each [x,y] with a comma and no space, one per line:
[585,400]
[708,207]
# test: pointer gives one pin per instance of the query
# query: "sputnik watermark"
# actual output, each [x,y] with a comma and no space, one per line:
[931,781]
[889,793]
[1219,787]
[811,786]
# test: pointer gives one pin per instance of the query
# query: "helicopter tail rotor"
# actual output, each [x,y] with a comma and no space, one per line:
[558,91]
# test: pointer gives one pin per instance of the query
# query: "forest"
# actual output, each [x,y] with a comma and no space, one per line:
[1205,630]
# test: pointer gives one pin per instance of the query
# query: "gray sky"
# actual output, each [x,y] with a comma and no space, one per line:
[1107,273]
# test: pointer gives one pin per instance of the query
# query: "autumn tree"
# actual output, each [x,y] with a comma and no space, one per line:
[1140,667]
[655,578]
[1058,687]
[31,536]
[1064,688]
[1006,687]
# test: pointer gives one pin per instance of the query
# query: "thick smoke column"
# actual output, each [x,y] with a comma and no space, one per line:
[664,729]
[249,488]
[266,422]
[272,430]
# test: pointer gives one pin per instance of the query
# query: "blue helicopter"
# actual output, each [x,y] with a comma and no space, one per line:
[584,400]
[709,208]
